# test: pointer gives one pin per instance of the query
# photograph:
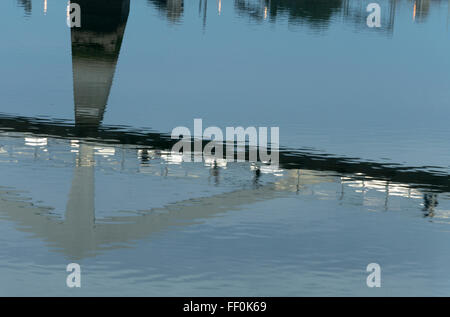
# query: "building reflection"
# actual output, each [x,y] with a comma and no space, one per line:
[316,13]
[355,13]
[421,9]
[173,9]
[26,5]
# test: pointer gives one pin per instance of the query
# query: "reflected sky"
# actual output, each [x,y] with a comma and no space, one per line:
[88,174]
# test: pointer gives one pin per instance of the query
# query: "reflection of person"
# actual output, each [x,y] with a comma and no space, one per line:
[429,203]
[315,13]
[257,177]
[215,173]
[144,156]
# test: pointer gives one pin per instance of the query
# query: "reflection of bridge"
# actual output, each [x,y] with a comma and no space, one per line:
[289,159]
[79,235]
[95,52]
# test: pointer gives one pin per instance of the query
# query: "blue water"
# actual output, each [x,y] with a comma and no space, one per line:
[364,170]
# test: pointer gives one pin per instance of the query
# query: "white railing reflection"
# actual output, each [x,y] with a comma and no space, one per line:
[148,159]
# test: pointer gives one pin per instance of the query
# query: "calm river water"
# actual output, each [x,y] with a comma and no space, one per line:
[87,174]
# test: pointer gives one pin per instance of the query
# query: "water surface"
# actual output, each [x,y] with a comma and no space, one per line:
[87,174]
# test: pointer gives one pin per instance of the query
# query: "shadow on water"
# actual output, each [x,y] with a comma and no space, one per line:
[95,51]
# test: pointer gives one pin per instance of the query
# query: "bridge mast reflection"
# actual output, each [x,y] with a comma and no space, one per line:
[95,52]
